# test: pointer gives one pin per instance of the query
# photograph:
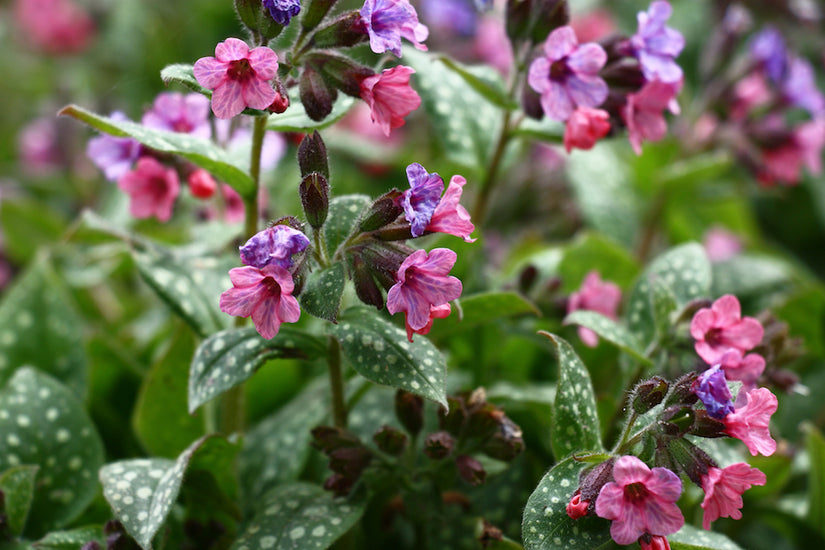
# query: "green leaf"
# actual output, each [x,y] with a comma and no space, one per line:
[182,73]
[693,538]
[43,423]
[295,119]
[227,358]
[17,487]
[71,540]
[546,525]
[593,251]
[229,168]
[483,79]
[28,225]
[379,351]
[815,444]
[485,308]
[749,275]
[322,293]
[696,169]
[575,425]
[39,327]
[298,516]
[546,129]
[342,219]
[608,329]
[662,304]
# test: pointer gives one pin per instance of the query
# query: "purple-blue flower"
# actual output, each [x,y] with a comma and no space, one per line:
[388,21]
[712,389]
[420,200]
[799,87]
[768,49]
[455,16]
[283,11]
[567,76]
[274,245]
[656,45]
[113,155]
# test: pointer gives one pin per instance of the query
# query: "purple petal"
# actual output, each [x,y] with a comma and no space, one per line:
[588,58]
[587,91]
[231,49]
[560,43]
[539,74]
[556,101]
[209,72]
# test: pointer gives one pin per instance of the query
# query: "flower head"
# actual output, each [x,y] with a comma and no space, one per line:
[656,45]
[585,127]
[390,97]
[238,76]
[176,112]
[567,76]
[113,155]
[283,11]
[712,389]
[274,245]
[388,21]
[595,295]
[721,244]
[422,198]
[768,49]
[721,328]
[263,294]
[644,112]
[750,423]
[640,500]
[449,216]
[800,89]
[152,187]
[57,27]
[723,491]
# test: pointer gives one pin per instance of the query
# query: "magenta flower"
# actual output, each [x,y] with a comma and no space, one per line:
[113,155]
[721,328]
[746,369]
[647,542]
[595,295]
[390,97]
[422,198]
[263,294]
[585,127]
[274,245]
[449,216]
[152,187]
[640,501]
[712,389]
[424,288]
[723,491]
[238,76]
[644,112]
[750,423]
[720,244]
[656,45]
[283,11]
[176,112]
[567,76]
[388,21]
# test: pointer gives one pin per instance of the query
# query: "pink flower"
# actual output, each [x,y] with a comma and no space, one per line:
[390,97]
[176,112]
[746,369]
[57,27]
[152,187]
[721,328]
[720,244]
[595,295]
[640,501]
[724,488]
[750,423]
[585,127]
[265,295]
[593,25]
[423,288]
[449,216]
[238,76]
[643,112]
[781,164]
[810,138]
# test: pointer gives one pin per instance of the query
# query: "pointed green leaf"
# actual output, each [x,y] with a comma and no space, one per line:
[815,444]
[299,516]
[342,219]
[322,293]
[484,308]
[227,358]
[546,525]
[608,329]
[71,540]
[17,486]
[693,538]
[43,423]
[182,73]
[232,169]
[379,351]
[483,79]
[575,426]
[662,304]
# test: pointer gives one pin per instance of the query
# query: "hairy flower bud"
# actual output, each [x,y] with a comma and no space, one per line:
[390,441]
[316,96]
[438,445]
[681,391]
[517,18]
[365,285]
[706,426]
[409,408]
[470,470]
[506,443]
[677,421]
[690,459]
[312,155]
[343,32]
[314,191]
[648,394]
[384,210]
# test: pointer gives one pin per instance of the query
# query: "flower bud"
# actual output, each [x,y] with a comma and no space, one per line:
[315,12]
[484,421]
[327,438]
[365,286]
[339,485]
[384,260]
[648,394]
[201,184]
[454,418]
[548,15]
[681,391]
[592,480]
[312,155]
[690,459]
[343,32]
[677,421]
[258,20]
[350,461]
[706,426]
[390,441]
[517,18]
[279,104]
[438,445]
[531,103]
[409,408]
[383,211]
[507,443]
[470,470]
[577,508]
[314,191]
[316,97]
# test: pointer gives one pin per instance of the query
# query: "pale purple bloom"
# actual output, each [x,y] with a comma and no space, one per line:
[712,389]
[283,11]
[263,294]
[176,112]
[422,198]
[799,87]
[455,16]
[388,21]
[40,152]
[721,245]
[769,50]
[656,45]
[113,155]
[567,76]
[274,245]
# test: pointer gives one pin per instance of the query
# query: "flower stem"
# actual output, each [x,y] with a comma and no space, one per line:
[336,382]
[480,209]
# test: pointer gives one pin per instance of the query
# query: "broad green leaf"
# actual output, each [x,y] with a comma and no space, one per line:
[538,393]
[749,275]
[71,540]
[295,119]
[815,444]
[298,516]
[695,169]
[592,251]
[662,304]
[693,538]
[39,327]
[182,73]
[608,329]
[484,80]
[342,219]
[28,225]
[379,351]
[575,423]
[227,358]
[484,308]
[232,169]
[546,525]
[322,293]
[17,487]
[43,423]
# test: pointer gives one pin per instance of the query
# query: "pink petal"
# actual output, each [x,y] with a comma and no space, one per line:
[702,322]
[440,261]
[630,527]
[227,100]
[289,310]
[745,335]
[556,101]
[662,518]
[588,337]
[265,316]
[245,276]
[239,302]
[539,74]
[727,310]
[610,502]
[587,91]
[629,469]
[265,62]
[231,49]
[209,72]
[560,43]
[258,94]
[665,484]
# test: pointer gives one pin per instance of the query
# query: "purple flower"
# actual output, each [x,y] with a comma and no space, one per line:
[388,21]
[274,245]
[769,50]
[283,10]
[453,16]
[656,45]
[799,87]
[422,198]
[113,155]
[176,112]
[567,76]
[712,389]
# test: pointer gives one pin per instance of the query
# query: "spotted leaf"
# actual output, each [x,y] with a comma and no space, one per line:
[608,329]
[71,540]
[693,538]
[17,487]
[342,218]
[322,293]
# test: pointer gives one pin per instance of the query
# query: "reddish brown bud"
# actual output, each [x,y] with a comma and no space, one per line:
[314,191]
[390,441]
[438,445]
[316,96]
[409,408]
[279,105]
[365,285]
[312,155]
[470,470]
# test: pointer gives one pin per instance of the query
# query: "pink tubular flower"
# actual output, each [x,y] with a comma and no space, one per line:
[388,21]
[595,295]
[176,112]
[567,75]
[152,187]
[750,423]
[585,127]
[640,501]
[423,289]
[721,328]
[720,244]
[390,97]
[265,295]
[723,491]
[643,112]
[238,76]
[449,216]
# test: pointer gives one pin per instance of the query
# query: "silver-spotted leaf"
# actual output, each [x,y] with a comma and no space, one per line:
[322,293]
[17,487]
[73,539]
[608,329]
[693,538]
[342,218]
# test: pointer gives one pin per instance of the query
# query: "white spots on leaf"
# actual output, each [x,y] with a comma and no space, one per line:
[63,435]
[23,421]
[297,533]
[144,492]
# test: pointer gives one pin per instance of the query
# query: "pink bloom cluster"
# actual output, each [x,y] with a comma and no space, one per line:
[595,295]
[390,97]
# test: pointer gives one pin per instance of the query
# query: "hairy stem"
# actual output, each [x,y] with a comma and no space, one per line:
[336,382]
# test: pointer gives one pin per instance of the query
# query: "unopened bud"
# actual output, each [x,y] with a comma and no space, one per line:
[531,103]
[453,419]
[339,485]
[314,191]
[648,394]
[316,96]
[438,445]
[257,19]
[312,155]
[350,461]
[470,470]
[345,31]
[577,508]
[705,425]
[201,184]
[681,391]
[591,481]
[548,15]
[383,211]
[365,286]
[280,104]
[677,421]
[517,18]
[409,408]
[390,441]
[507,443]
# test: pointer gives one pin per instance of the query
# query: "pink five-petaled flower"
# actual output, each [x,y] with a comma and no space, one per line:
[721,328]
[424,288]
[643,112]
[265,295]
[238,76]
[656,45]
[177,112]
[567,75]
[750,423]
[723,491]
[152,187]
[388,21]
[585,127]
[640,501]
[594,295]
[390,97]
[449,216]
